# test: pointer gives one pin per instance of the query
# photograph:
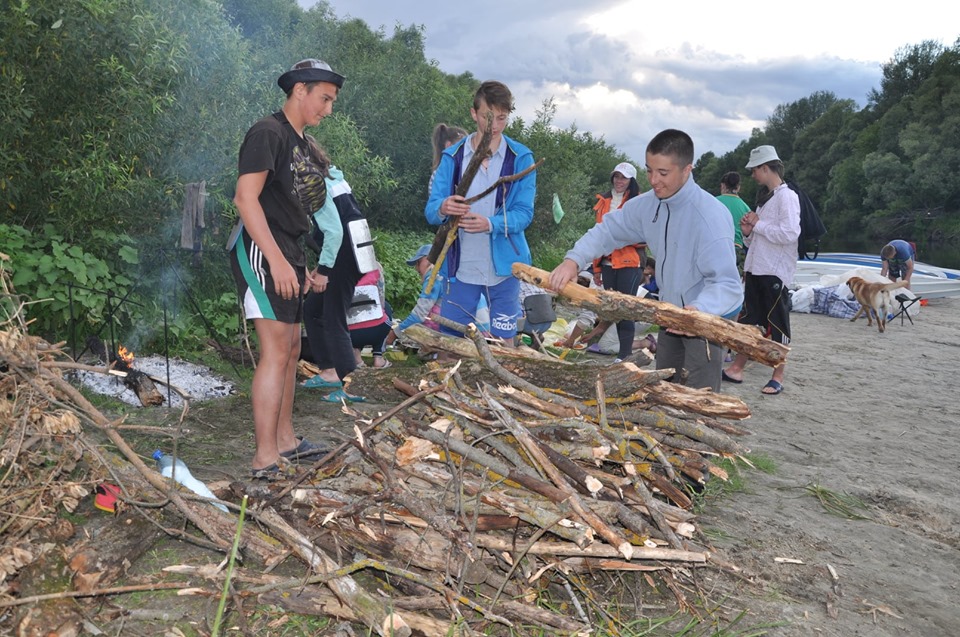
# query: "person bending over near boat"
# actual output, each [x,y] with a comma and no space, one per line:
[898,257]
[770,235]
[268,261]
[691,234]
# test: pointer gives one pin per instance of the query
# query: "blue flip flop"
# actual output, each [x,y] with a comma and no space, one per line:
[339,396]
[730,379]
[774,385]
[316,382]
[304,450]
[273,472]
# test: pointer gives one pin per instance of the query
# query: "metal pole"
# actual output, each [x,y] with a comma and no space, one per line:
[73,321]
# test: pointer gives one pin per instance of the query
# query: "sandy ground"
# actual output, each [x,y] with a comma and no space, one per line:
[874,416]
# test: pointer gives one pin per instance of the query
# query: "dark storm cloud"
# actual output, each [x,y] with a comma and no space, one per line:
[544,51]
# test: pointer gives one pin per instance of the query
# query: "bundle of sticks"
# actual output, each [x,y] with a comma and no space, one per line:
[493,490]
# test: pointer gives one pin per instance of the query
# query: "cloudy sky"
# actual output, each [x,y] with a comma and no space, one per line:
[626,69]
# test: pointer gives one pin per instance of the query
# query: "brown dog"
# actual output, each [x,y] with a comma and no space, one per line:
[873,298]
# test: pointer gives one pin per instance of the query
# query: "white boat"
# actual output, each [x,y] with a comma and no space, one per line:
[928,281]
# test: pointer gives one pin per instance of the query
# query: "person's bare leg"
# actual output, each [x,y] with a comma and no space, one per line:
[286,440]
[329,374]
[270,394]
[778,373]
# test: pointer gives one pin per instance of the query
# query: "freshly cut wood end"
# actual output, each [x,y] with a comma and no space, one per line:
[593,485]
[718,471]
[413,450]
[601,453]
[685,529]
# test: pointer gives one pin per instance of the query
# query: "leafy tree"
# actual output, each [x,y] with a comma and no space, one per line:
[819,146]
[87,81]
[904,74]
[788,120]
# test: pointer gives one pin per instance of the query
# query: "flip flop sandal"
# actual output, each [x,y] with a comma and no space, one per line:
[339,396]
[316,382]
[774,385]
[106,497]
[273,472]
[731,379]
[305,449]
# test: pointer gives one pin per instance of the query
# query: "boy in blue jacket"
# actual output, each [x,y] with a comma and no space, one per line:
[491,231]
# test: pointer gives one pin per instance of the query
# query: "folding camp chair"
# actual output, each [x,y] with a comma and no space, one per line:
[905,303]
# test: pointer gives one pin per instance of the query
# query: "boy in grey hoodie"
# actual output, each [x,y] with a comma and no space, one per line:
[691,235]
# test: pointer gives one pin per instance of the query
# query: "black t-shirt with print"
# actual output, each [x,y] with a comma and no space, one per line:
[268,146]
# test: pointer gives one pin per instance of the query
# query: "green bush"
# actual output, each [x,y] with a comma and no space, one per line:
[65,284]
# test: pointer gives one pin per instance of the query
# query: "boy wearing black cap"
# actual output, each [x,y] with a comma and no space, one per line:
[268,261]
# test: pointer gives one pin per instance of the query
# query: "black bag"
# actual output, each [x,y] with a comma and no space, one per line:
[811,226]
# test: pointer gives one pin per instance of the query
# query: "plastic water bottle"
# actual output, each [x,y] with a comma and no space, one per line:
[165,464]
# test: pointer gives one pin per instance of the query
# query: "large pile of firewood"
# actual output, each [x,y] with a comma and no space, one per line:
[459,507]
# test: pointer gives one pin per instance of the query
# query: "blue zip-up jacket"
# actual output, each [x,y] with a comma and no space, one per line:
[691,236]
[514,206]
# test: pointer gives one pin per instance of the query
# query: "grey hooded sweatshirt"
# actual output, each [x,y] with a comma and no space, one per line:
[691,236]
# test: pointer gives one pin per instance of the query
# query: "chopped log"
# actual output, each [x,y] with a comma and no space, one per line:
[594,550]
[626,378]
[693,430]
[614,306]
[464,348]
[135,380]
[141,385]
[698,401]
[542,514]
[425,548]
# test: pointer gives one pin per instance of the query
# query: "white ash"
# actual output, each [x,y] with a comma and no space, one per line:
[197,381]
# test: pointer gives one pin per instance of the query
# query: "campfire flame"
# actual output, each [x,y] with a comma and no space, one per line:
[125,355]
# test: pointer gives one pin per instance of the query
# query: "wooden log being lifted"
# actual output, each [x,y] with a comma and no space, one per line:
[613,306]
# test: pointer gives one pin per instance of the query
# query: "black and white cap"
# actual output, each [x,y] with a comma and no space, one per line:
[309,70]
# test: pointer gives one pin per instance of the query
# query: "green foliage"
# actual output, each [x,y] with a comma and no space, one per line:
[367,174]
[64,280]
[788,120]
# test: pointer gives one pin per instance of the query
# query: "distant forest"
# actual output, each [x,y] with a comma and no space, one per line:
[110,108]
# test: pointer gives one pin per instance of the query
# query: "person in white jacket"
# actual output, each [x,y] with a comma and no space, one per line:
[770,235]
[690,234]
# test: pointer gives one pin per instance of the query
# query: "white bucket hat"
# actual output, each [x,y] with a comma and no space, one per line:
[761,155]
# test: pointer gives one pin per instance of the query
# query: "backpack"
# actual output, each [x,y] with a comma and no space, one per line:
[811,226]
